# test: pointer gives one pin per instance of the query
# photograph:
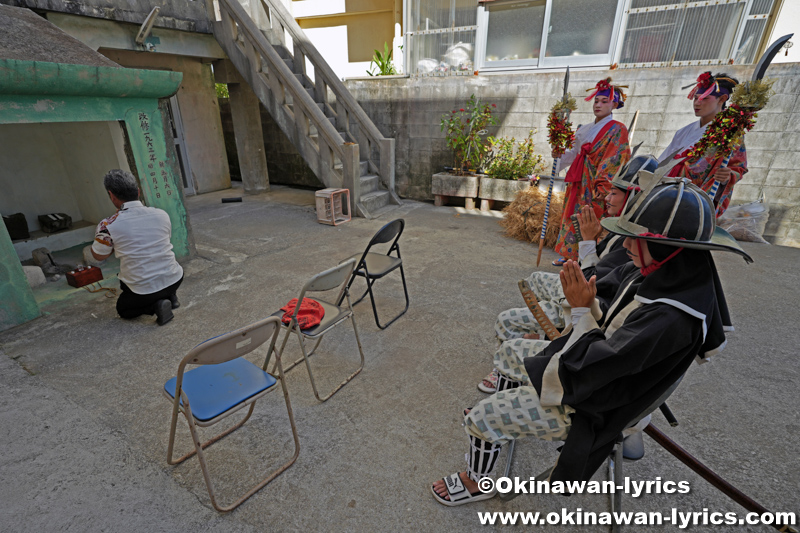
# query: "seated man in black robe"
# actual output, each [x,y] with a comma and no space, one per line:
[585,387]
[595,259]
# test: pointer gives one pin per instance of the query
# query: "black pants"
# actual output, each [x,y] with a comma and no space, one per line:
[131,305]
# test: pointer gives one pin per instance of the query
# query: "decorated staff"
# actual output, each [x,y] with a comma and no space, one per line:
[561,139]
[747,99]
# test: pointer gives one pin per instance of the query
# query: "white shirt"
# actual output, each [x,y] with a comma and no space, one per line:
[140,236]
[684,138]
[585,134]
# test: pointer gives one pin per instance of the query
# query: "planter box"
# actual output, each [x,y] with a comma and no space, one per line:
[501,190]
[445,185]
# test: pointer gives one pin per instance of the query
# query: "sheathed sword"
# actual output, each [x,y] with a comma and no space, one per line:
[564,99]
[758,73]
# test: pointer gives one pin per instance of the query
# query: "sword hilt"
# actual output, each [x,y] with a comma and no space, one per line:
[536,310]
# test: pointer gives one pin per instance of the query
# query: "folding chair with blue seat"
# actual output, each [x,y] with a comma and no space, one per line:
[335,314]
[223,383]
[374,266]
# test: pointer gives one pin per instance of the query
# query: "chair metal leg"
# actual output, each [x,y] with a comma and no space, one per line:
[615,476]
[510,495]
[509,457]
[199,448]
[366,291]
[375,309]
[301,359]
[196,440]
[353,278]
[667,412]
[308,363]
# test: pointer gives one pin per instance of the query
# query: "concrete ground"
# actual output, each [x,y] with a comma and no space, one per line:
[85,425]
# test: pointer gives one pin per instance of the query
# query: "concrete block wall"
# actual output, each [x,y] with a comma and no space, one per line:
[410,110]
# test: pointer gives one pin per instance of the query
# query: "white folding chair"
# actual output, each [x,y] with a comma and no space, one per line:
[334,315]
[223,383]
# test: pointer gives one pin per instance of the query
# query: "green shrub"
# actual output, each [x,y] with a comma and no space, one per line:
[222,90]
[464,128]
[509,160]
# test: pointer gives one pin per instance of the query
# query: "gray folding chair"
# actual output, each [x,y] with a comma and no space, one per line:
[616,458]
[223,383]
[334,315]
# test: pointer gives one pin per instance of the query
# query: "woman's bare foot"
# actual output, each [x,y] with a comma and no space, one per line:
[441,489]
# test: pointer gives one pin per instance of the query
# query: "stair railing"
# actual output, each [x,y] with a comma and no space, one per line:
[349,115]
[285,97]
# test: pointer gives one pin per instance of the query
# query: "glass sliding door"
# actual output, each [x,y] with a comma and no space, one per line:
[514,33]
[547,33]
[580,32]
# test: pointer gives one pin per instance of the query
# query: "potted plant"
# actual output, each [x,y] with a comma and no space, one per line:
[510,167]
[381,64]
[465,129]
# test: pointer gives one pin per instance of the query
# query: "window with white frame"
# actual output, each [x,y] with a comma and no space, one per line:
[547,33]
[686,32]
[449,37]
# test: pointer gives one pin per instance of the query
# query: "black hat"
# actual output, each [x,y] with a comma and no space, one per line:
[675,213]
[628,176]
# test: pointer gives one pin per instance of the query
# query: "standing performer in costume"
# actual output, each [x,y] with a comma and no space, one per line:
[600,149]
[584,388]
[710,96]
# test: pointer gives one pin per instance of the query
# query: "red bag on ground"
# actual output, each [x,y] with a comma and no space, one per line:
[309,315]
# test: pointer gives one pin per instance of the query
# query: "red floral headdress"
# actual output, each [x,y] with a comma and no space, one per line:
[605,88]
[708,85]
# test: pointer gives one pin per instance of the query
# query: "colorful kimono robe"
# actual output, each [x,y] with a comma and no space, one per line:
[701,171]
[600,158]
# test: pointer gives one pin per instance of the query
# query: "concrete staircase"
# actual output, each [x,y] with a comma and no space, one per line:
[309,103]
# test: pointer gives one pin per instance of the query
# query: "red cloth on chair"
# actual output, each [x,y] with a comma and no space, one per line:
[309,315]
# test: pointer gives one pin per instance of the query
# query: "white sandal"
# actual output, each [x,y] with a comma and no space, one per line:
[489,383]
[458,493]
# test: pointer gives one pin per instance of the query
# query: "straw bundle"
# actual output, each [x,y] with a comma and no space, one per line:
[523,217]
